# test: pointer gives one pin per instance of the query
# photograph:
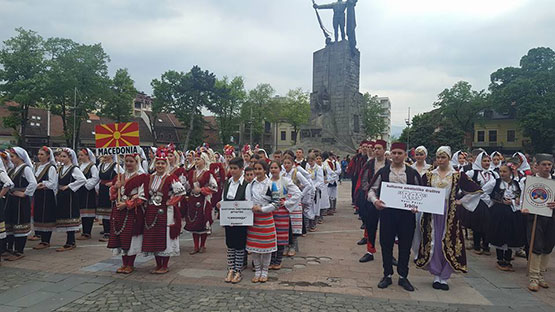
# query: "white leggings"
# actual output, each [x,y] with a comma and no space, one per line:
[261,263]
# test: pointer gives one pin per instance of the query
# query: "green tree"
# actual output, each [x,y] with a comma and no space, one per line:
[119,106]
[295,110]
[230,96]
[257,109]
[373,120]
[461,105]
[22,69]
[528,93]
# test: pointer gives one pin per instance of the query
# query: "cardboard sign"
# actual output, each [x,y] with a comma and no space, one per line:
[238,213]
[408,197]
[537,193]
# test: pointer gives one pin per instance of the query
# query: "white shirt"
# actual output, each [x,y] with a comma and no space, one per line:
[78,176]
[30,177]
[257,193]
[94,179]
[52,181]
[233,187]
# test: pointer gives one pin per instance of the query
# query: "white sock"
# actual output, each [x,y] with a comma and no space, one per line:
[443,282]
[436,279]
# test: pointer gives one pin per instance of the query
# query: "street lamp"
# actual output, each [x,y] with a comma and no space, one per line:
[408,123]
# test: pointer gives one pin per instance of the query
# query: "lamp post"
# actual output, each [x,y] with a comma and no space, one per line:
[408,123]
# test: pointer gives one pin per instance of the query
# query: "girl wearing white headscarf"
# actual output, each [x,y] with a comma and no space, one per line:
[107,170]
[524,168]
[18,203]
[44,216]
[5,185]
[87,194]
[457,162]
[144,162]
[70,180]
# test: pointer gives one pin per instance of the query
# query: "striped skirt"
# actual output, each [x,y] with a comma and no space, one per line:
[261,236]
[297,220]
[281,218]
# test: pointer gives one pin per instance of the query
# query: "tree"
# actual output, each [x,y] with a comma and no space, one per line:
[119,106]
[22,77]
[528,92]
[295,110]
[230,96]
[461,105]
[258,109]
[373,120]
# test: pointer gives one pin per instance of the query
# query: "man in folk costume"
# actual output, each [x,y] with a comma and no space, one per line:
[107,170]
[87,194]
[442,249]
[395,222]
[44,199]
[544,237]
[333,177]
[353,169]
[18,203]
[300,160]
[162,222]
[5,185]
[198,211]
[127,218]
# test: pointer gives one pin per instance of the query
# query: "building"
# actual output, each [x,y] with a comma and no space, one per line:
[499,132]
[142,103]
[386,105]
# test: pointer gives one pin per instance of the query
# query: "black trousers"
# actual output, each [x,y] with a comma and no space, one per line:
[480,241]
[371,220]
[70,238]
[45,237]
[106,227]
[87,225]
[400,223]
[353,187]
[16,244]
[504,255]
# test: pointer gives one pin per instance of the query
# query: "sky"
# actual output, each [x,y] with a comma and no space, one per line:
[410,49]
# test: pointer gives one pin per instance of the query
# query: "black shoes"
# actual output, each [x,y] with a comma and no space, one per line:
[362,241]
[438,285]
[404,282]
[367,257]
[362,226]
[393,261]
[385,282]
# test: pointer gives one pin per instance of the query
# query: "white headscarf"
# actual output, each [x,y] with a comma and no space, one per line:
[494,166]
[71,154]
[142,153]
[421,148]
[51,157]
[444,149]
[455,158]
[90,153]
[524,165]
[477,165]
[21,153]
[206,157]
[8,160]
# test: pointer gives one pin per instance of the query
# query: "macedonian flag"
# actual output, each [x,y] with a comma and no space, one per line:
[117,134]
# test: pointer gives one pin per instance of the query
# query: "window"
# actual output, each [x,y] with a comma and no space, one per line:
[356,123]
[293,135]
[33,117]
[138,105]
[38,117]
[283,135]
[492,135]
[267,127]
[511,135]
[32,124]
[480,136]
[89,121]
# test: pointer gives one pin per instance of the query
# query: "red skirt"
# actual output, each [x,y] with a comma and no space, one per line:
[281,219]
[261,236]
[155,228]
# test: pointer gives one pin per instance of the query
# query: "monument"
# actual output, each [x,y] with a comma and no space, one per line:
[335,100]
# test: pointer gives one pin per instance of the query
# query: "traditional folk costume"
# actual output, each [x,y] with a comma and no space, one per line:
[87,194]
[152,165]
[143,164]
[317,178]
[162,223]
[524,168]
[68,218]
[5,184]
[218,171]
[442,249]
[421,170]
[127,223]
[297,215]
[332,174]
[44,200]
[455,161]
[324,195]
[107,171]
[18,209]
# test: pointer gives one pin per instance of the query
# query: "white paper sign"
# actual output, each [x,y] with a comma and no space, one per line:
[237,213]
[537,193]
[408,197]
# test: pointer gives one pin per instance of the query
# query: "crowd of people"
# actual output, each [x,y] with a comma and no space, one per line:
[484,196]
[145,203]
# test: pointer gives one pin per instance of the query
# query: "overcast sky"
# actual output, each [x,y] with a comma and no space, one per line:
[410,49]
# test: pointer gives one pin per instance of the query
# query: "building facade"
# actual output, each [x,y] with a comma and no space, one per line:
[499,132]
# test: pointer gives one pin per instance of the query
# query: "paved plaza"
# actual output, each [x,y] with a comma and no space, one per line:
[324,276]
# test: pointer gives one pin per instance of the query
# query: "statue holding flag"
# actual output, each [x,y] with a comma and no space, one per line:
[339,8]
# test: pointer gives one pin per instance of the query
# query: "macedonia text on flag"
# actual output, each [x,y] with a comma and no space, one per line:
[117,134]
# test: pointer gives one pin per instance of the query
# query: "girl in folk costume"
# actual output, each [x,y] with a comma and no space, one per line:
[420,154]
[70,180]
[44,200]
[442,247]
[246,153]
[198,210]
[178,171]
[496,161]
[332,174]
[162,223]
[127,190]
[87,194]
[324,193]
[18,202]
[5,185]
[189,160]
[458,160]
[288,197]
[522,168]
[506,231]
[152,158]
[317,177]
[261,236]
[291,172]
[108,169]
[478,220]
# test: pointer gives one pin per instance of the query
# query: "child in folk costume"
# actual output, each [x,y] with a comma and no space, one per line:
[127,191]
[87,194]
[442,247]
[288,195]
[18,203]
[317,177]
[506,231]
[5,185]
[324,193]
[162,223]
[107,170]
[458,160]
[198,211]
[44,200]
[332,172]
[70,180]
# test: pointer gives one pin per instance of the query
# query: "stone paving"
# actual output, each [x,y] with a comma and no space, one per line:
[325,276]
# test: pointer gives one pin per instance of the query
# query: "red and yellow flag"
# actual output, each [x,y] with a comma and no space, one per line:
[117,134]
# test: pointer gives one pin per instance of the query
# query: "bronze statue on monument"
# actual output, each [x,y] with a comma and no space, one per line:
[339,9]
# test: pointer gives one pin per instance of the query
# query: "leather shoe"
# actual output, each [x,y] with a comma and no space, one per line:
[393,261]
[367,257]
[385,282]
[404,282]
[436,285]
[444,286]
[362,241]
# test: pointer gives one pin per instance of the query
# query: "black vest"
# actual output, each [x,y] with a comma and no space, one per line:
[240,195]
[497,193]
[18,178]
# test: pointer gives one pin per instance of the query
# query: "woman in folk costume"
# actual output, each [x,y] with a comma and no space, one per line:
[198,210]
[523,168]
[458,160]
[127,191]
[5,185]
[420,154]
[18,202]
[107,170]
[178,171]
[217,169]
[317,177]
[505,231]
[162,223]
[292,172]
[332,174]
[324,194]
[44,200]
[288,195]
[152,159]
[87,194]
[478,219]
[70,180]
[496,161]
[442,249]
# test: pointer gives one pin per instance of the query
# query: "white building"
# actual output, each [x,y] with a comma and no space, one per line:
[386,105]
